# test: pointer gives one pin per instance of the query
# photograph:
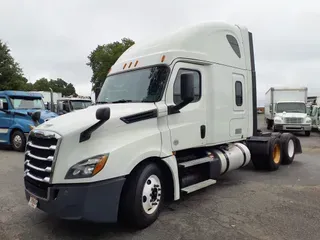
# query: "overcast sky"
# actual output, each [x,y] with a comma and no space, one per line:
[53,38]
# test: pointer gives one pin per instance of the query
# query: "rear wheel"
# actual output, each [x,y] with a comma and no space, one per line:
[274,158]
[18,141]
[142,197]
[288,148]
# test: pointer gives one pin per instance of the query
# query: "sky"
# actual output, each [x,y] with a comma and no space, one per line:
[52,39]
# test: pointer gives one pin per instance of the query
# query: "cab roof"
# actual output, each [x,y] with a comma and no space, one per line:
[210,42]
[12,93]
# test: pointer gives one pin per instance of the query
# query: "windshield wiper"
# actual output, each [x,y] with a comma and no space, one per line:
[122,101]
[101,102]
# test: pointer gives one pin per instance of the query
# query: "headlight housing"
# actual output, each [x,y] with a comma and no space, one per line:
[308,120]
[88,167]
[277,120]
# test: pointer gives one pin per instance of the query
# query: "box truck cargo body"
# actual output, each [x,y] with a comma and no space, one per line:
[286,110]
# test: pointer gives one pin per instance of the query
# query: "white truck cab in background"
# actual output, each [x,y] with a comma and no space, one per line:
[286,110]
[171,117]
[314,106]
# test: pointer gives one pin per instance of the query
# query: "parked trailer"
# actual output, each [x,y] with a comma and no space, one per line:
[172,116]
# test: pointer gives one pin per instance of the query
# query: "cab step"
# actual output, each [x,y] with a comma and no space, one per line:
[195,162]
[198,186]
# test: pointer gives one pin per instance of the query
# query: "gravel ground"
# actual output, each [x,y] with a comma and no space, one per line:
[244,204]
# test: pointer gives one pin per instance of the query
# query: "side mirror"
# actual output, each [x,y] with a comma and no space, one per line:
[187,87]
[1,105]
[48,106]
[36,116]
[103,114]
[60,106]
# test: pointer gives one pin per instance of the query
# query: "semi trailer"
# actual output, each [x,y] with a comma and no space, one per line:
[286,110]
[172,116]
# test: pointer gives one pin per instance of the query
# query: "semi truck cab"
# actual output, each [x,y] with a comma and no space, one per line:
[172,116]
[66,105]
[20,112]
[292,116]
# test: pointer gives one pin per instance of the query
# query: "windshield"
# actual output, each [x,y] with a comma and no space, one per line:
[77,105]
[27,103]
[144,85]
[291,107]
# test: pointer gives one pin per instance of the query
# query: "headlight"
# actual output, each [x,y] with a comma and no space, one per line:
[277,120]
[308,120]
[87,168]
[31,127]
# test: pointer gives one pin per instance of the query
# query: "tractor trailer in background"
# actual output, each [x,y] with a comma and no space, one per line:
[286,110]
[172,116]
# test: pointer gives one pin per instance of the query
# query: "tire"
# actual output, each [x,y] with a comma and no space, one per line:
[18,141]
[269,124]
[307,133]
[138,190]
[274,158]
[258,163]
[288,148]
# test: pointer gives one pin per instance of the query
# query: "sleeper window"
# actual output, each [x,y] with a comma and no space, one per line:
[238,92]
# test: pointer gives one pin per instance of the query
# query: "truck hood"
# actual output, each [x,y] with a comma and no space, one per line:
[45,114]
[82,119]
[291,115]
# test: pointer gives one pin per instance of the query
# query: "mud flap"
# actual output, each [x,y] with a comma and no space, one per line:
[298,148]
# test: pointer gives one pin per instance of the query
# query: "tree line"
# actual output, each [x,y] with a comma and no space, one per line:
[100,61]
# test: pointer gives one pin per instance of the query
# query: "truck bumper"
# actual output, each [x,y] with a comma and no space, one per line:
[292,127]
[95,202]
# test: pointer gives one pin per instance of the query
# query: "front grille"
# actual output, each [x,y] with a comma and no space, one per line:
[39,161]
[293,120]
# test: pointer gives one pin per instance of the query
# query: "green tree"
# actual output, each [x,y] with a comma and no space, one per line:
[58,85]
[103,57]
[11,75]
[70,90]
[41,85]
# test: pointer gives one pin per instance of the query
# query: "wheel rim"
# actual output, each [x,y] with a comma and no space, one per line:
[290,148]
[17,141]
[151,194]
[276,154]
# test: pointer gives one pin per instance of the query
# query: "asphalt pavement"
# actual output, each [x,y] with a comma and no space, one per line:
[244,204]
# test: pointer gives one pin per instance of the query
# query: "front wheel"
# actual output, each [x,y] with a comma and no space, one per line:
[307,133]
[18,141]
[142,197]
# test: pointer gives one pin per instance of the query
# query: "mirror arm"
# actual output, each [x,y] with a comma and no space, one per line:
[176,108]
[86,134]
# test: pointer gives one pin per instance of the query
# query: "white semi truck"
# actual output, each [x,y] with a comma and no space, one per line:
[286,110]
[172,116]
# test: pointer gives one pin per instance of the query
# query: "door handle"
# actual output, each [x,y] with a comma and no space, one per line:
[203,131]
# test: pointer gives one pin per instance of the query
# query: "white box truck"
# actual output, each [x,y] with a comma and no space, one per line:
[171,117]
[286,110]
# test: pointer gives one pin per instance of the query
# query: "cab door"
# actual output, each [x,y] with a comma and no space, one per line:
[188,127]
[5,121]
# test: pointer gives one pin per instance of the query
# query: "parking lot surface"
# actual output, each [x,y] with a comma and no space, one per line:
[244,204]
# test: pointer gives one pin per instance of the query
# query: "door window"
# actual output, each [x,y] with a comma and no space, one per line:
[5,102]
